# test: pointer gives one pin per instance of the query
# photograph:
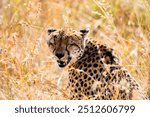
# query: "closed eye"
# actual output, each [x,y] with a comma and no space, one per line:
[51,44]
[54,36]
[74,45]
[52,40]
[72,42]
[52,47]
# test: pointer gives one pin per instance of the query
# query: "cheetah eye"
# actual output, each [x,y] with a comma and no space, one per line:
[54,36]
[73,45]
[50,43]
[53,39]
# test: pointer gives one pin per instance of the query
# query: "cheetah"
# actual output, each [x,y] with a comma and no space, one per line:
[95,72]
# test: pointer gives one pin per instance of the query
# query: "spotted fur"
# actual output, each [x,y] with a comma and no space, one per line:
[94,70]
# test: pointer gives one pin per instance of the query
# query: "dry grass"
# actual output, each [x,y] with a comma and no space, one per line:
[27,70]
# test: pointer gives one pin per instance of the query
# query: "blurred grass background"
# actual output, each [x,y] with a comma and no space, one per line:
[27,70]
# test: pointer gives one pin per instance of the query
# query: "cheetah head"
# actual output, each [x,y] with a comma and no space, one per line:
[66,45]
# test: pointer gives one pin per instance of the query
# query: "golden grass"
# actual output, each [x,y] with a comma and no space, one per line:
[27,70]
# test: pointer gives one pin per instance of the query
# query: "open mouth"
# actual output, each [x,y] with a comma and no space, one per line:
[61,63]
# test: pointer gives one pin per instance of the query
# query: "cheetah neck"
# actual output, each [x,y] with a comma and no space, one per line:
[94,52]
[89,50]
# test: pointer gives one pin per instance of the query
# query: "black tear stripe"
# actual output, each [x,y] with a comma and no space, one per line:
[54,50]
[54,44]
[69,58]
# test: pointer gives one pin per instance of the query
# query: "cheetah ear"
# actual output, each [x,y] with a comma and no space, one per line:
[51,30]
[84,32]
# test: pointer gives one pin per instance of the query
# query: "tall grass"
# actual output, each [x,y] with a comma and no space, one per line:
[27,70]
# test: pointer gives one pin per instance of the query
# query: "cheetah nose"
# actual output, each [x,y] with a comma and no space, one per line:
[59,54]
